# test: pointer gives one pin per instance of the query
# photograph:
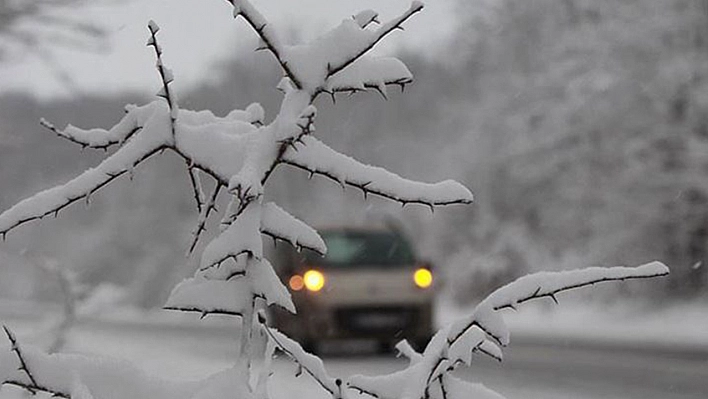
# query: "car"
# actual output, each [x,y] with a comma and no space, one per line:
[370,285]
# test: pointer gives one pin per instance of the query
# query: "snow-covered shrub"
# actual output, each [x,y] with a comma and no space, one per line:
[239,152]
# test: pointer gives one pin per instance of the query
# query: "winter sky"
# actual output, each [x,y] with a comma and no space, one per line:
[195,35]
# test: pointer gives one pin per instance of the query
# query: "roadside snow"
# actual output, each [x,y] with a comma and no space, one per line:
[681,326]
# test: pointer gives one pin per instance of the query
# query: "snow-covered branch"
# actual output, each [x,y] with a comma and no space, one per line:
[205,211]
[318,158]
[310,363]
[268,36]
[53,200]
[362,47]
[484,331]
[166,75]
[32,386]
[280,225]
[543,285]
[197,189]
[98,138]
[370,73]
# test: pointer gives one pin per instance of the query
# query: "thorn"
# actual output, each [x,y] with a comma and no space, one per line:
[4,235]
[432,208]
[378,89]
[204,314]
[312,173]
[554,298]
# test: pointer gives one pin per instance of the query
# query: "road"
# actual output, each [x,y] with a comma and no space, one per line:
[532,369]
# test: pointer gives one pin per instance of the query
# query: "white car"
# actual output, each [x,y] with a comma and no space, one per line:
[369,285]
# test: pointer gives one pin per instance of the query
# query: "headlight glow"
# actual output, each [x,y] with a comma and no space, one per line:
[314,280]
[423,278]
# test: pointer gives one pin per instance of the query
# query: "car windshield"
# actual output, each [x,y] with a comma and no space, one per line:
[364,248]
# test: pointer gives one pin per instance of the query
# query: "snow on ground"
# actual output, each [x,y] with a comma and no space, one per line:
[178,346]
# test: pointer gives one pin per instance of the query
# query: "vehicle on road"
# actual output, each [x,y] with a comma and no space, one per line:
[370,285]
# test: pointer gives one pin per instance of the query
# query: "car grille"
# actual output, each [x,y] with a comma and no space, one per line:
[375,319]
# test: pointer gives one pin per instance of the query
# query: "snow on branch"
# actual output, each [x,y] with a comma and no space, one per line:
[543,285]
[230,290]
[315,66]
[32,386]
[311,364]
[268,36]
[240,237]
[280,225]
[210,297]
[318,158]
[53,200]
[79,377]
[370,73]
[205,211]
[366,17]
[317,62]
[99,138]
[361,47]
[166,75]
[428,375]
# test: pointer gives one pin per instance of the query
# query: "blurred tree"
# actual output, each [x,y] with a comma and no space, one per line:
[33,26]
[588,123]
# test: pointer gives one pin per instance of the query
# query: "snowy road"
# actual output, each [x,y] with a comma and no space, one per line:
[530,370]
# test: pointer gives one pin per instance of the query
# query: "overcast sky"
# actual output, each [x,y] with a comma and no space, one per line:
[195,35]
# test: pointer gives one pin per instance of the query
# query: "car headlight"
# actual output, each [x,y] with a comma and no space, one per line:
[296,282]
[314,280]
[423,278]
